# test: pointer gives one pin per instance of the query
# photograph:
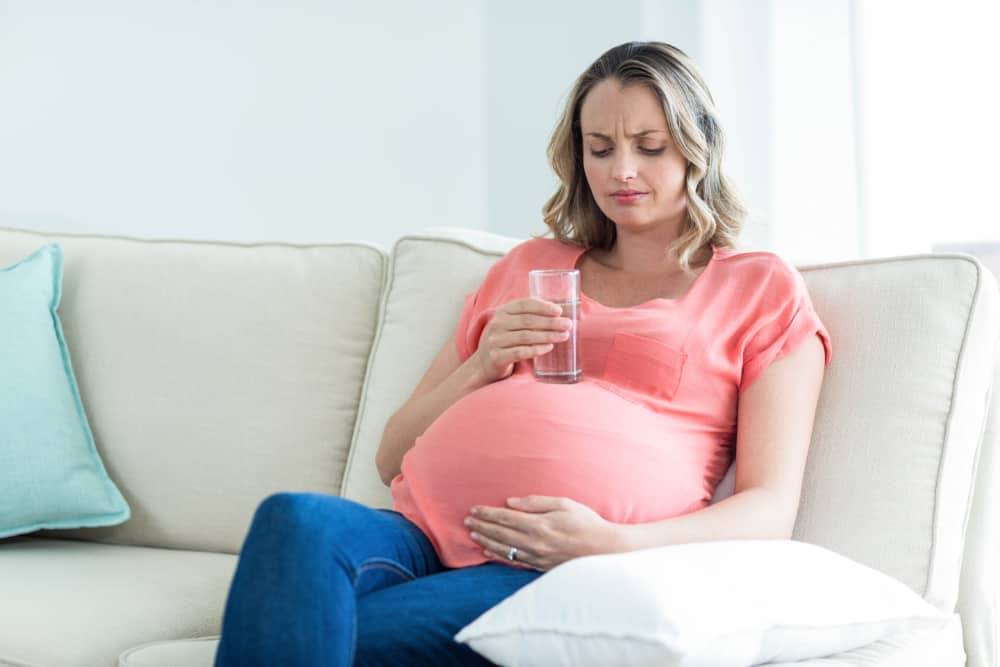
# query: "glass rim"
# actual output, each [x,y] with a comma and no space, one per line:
[553,272]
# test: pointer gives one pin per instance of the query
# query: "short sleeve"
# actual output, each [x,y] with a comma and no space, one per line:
[783,321]
[480,305]
[471,323]
[506,280]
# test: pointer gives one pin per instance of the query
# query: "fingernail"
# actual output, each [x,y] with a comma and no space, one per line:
[468,522]
[474,535]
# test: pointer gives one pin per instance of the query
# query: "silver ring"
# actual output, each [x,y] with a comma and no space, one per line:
[512,553]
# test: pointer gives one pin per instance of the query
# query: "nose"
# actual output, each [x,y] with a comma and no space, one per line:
[623,168]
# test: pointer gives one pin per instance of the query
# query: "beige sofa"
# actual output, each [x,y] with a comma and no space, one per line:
[215,374]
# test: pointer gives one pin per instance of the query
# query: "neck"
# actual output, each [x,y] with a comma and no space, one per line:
[646,253]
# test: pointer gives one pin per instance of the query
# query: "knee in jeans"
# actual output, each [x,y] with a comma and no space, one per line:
[304,512]
[282,508]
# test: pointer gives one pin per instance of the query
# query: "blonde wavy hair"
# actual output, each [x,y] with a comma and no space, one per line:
[715,212]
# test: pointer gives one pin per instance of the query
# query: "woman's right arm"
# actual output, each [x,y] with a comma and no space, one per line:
[519,330]
[446,381]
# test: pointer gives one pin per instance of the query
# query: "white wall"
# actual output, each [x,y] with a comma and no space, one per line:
[814,206]
[307,121]
[312,120]
[301,121]
[735,59]
[532,53]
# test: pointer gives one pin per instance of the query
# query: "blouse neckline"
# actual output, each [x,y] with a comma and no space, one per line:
[655,301]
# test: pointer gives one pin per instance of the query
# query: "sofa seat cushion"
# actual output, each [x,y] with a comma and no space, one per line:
[198,652]
[922,647]
[68,603]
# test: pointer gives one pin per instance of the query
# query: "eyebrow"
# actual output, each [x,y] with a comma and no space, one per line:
[643,133]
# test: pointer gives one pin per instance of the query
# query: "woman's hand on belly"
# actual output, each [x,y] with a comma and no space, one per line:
[545,530]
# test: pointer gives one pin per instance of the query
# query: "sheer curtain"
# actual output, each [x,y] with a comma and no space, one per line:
[860,128]
[928,110]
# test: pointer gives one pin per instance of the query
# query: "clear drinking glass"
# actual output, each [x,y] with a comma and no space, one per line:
[562,287]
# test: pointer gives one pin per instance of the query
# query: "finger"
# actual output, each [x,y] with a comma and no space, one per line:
[500,516]
[497,550]
[531,305]
[534,322]
[510,339]
[494,532]
[501,357]
[539,503]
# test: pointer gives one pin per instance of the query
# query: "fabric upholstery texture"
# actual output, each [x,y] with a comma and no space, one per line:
[197,652]
[428,280]
[80,604]
[920,647]
[916,340]
[901,415]
[214,374]
[724,603]
[51,475]
[979,596]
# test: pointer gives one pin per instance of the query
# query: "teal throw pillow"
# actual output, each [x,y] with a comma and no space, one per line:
[50,473]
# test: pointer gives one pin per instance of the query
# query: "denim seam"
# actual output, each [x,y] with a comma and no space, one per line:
[365,566]
[382,564]
[354,638]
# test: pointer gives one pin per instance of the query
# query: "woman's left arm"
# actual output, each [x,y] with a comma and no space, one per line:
[774,426]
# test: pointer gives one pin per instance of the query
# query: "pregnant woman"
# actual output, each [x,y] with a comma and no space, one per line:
[693,354]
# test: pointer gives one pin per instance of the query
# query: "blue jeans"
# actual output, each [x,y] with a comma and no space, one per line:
[326,581]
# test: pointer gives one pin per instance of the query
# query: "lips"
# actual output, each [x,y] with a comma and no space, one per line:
[627,196]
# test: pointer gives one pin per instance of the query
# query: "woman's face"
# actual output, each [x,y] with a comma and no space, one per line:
[635,172]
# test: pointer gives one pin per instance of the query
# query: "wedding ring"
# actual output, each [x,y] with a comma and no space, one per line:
[512,553]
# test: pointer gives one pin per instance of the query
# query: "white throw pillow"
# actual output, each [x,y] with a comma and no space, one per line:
[718,604]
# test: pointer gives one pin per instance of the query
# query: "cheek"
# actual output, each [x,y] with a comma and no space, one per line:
[671,181]
[591,171]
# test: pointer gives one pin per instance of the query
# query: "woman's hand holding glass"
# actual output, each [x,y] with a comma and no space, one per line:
[519,330]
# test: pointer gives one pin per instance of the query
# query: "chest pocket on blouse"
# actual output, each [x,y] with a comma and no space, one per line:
[647,370]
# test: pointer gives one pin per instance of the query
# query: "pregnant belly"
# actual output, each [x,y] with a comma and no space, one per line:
[521,437]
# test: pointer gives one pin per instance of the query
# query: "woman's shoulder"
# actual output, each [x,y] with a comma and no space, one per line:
[540,252]
[511,270]
[541,245]
[760,277]
[756,263]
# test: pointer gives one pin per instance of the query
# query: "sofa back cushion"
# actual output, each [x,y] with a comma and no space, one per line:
[214,374]
[898,426]
[429,276]
[979,596]
[901,415]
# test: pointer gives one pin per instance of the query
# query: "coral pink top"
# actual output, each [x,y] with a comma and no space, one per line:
[649,430]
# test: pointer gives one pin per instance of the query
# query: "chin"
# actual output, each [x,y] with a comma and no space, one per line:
[631,220]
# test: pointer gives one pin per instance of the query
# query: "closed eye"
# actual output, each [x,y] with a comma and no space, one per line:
[645,151]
